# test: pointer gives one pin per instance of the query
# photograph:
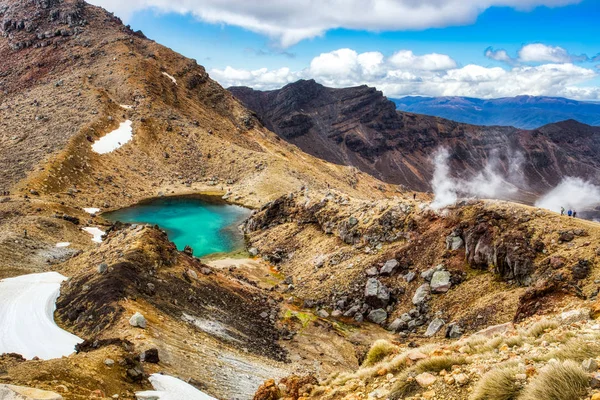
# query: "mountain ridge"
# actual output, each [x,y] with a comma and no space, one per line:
[359,126]
[524,112]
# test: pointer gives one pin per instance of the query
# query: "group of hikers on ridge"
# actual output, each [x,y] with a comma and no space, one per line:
[570,213]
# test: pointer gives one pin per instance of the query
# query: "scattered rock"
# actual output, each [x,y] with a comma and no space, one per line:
[409,277]
[253,251]
[425,379]
[434,327]
[582,269]
[188,250]
[454,242]
[138,320]
[454,331]
[377,316]
[109,362]
[461,379]
[566,236]
[372,271]
[421,294]
[150,356]
[590,365]
[440,282]
[389,267]
[496,329]
[396,325]
[323,313]
[376,294]
[102,268]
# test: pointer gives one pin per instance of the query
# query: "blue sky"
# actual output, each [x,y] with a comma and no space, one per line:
[267,47]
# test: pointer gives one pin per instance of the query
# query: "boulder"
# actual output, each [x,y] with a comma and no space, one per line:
[440,282]
[11,392]
[377,316]
[425,379]
[421,295]
[434,327]
[389,267]
[453,331]
[138,321]
[372,271]
[253,251]
[590,365]
[323,313]
[494,330]
[397,325]
[376,294]
[454,242]
[569,317]
[150,356]
[409,277]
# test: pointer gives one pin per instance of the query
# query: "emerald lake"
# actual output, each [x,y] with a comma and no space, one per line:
[205,224]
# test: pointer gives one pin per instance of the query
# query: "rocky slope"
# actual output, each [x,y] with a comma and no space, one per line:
[525,112]
[360,127]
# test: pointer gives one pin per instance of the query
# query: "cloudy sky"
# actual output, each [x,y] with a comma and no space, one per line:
[477,48]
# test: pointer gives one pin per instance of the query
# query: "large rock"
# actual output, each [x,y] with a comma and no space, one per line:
[421,294]
[389,267]
[377,316]
[376,294]
[11,392]
[434,327]
[138,320]
[440,282]
[494,330]
[397,325]
[454,242]
[570,317]
[425,379]
[453,331]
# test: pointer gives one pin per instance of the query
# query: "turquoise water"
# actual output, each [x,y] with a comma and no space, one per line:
[206,225]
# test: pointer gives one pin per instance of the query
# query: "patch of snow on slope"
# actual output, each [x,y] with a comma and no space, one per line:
[169,388]
[63,244]
[96,233]
[172,78]
[27,326]
[91,210]
[115,139]
[126,106]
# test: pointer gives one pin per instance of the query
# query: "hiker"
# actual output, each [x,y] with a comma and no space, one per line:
[414,196]
[574,214]
[570,213]
[562,211]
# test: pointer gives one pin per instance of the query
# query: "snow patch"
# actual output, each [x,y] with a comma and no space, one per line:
[126,106]
[63,244]
[96,233]
[91,210]
[115,139]
[27,326]
[172,78]
[169,388]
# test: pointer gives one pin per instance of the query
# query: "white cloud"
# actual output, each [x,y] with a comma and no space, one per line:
[405,59]
[291,21]
[431,75]
[537,53]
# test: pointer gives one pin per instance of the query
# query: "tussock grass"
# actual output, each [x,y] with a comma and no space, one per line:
[403,388]
[576,349]
[558,381]
[513,341]
[498,384]
[438,363]
[379,351]
[541,327]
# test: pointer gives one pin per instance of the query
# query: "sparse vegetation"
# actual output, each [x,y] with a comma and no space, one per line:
[541,327]
[513,341]
[438,363]
[403,388]
[576,349]
[558,381]
[498,384]
[379,351]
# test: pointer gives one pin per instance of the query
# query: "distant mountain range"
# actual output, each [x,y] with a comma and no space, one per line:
[358,126]
[525,112]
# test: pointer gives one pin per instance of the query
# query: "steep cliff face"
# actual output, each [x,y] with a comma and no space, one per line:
[358,126]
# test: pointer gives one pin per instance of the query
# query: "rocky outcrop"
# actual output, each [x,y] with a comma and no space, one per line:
[11,392]
[358,126]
